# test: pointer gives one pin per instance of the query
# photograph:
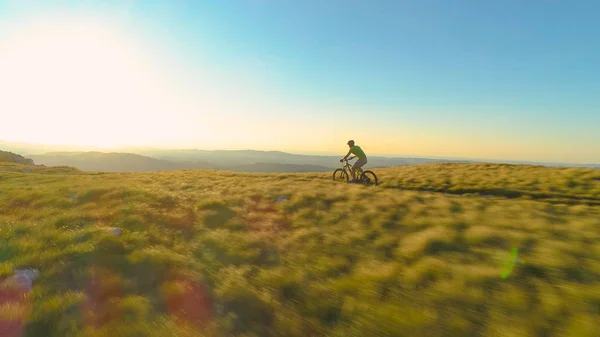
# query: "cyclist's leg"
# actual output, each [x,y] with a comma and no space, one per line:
[359,164]
[353,173]
[357,167]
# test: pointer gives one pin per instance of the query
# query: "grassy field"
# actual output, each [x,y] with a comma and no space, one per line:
[429,252]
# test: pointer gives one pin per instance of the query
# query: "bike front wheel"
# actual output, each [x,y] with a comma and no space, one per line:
[340,175]
[368,178]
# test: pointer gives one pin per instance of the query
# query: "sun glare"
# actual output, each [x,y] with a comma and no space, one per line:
[82,82]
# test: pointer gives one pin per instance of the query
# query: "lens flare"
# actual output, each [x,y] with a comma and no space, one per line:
[510,265]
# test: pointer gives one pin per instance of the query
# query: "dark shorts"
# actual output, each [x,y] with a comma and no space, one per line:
[359,163]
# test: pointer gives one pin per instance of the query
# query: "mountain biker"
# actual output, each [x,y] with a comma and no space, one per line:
[362,159]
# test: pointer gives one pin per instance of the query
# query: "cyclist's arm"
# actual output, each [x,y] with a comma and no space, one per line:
[347,154]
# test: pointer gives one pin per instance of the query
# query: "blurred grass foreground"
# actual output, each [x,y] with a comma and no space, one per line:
[436,250]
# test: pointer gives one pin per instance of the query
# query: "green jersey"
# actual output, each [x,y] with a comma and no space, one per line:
[357,151]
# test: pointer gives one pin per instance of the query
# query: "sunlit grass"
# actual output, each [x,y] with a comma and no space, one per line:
[208,253]
[512,181]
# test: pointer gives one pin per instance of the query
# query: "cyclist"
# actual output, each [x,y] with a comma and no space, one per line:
[362,159]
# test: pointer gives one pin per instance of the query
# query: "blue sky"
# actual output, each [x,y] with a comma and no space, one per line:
[477,79]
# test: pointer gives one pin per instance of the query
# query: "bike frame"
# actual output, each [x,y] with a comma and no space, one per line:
[348,167]
[361,176]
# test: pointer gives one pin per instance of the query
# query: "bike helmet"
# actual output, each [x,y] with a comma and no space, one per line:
[350,142]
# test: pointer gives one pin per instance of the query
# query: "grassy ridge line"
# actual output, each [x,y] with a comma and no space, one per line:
[13,167]
[333,260]
[556,185]
[494,179]
[572,185]
[511,194]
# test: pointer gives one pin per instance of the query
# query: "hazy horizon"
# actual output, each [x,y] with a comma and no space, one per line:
[136,149]
[484,81]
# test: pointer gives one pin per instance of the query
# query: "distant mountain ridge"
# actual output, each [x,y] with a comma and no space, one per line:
[282,168]
[129,162]
[114,162]
[237,161]
[224,158]
[233,160]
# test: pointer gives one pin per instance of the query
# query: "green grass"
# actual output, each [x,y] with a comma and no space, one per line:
[208,253]
[564,185]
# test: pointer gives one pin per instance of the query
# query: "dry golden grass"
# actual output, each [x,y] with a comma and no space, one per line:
[208,253]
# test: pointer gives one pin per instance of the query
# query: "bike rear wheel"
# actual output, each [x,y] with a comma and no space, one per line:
[340,175]
[368,178]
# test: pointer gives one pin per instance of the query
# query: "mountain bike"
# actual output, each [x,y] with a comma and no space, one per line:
[366,178]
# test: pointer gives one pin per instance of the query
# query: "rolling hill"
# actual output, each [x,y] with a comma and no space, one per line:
[9,157]
[232,158]
[128,162]
[237,161]
[279,168]
[435,250]
[114,162]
